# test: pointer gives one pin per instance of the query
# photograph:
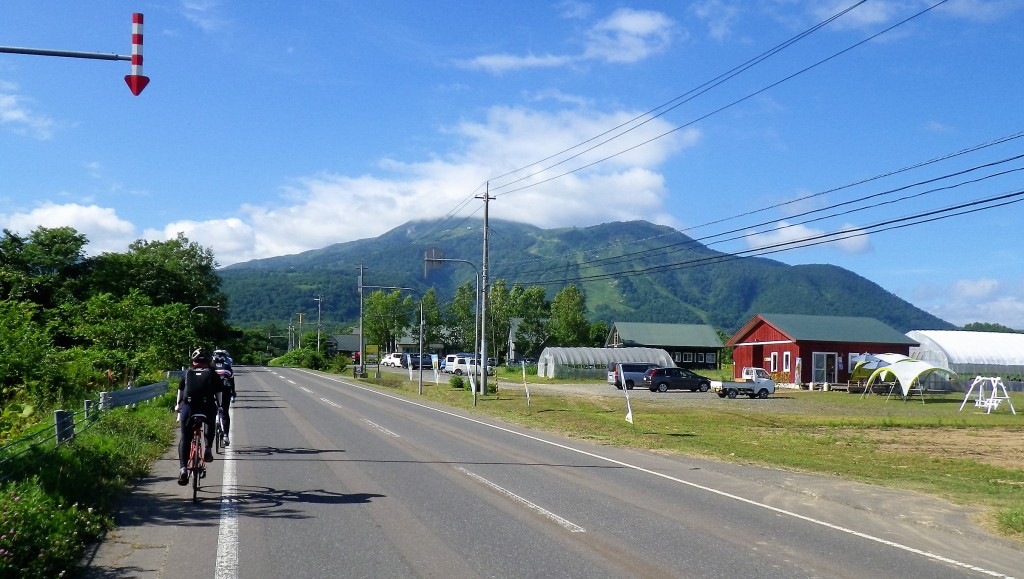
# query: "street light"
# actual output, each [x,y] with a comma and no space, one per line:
[478,340]
[319,301]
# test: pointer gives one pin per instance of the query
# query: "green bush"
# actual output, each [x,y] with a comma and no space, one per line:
[59,501]
[339,364]
[302,358]
[1011,520]
[456,382]
[40,534]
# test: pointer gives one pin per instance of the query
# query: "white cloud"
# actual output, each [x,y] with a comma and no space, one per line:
[105,231]
[498,63]
[786,236]
[204,13]
[570,9]
[629,36]
[981,10]
[720,17]
[975,288]
[17,117]
[327,208]
[868,14]
[624,37]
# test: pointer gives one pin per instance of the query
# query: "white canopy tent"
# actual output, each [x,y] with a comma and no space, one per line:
[907,372]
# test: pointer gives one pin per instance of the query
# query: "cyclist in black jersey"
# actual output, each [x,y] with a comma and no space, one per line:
[198,393]
[222,366]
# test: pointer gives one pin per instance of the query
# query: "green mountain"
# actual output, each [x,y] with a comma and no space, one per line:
[629,271]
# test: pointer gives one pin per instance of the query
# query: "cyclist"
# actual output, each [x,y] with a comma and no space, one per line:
[198,393]
[222,366]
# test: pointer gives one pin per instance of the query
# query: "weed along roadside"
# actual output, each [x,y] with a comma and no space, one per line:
[930,448]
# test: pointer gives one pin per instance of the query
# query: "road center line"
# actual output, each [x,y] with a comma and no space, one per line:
[381,428]
[880,540]
[227,537]
[570,526]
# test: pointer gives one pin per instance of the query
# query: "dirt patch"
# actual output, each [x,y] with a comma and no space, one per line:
[1004,449]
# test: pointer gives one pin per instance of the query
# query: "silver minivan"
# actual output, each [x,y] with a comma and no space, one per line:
[632,373]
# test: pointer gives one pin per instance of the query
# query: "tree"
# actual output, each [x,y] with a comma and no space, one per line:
[386,318]
[598,334]
[433,319]
[129,336]
[499,317]
[531,306]
[460,319]
[568,322]
[43,267]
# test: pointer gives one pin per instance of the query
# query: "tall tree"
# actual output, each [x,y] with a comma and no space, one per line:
[460,319]
[531,305]
[499,318]
[568,324]
[433,320]
[386,317]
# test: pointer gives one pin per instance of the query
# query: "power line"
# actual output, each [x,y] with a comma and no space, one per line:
[725,107]
[888,225]
[681,245]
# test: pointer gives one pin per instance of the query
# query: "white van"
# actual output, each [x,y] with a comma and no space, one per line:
[458,364]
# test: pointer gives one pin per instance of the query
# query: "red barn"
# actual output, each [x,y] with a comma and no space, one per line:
[811,349]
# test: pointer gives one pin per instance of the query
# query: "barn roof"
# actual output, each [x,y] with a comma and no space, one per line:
[682,335]
[808,328]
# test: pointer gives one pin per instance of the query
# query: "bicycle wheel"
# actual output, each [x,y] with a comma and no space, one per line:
[196,466]
[218,437]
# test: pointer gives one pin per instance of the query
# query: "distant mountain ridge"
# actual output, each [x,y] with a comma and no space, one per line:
[629,271]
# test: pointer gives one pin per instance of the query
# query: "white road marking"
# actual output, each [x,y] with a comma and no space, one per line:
[570,526]
[227,538]
[380,428]
[880,540]
[306,390]
[329,403]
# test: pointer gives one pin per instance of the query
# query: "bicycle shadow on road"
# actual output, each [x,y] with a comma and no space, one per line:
[243,453]
[250,499]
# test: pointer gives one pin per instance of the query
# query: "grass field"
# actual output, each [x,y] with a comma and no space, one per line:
[965,456]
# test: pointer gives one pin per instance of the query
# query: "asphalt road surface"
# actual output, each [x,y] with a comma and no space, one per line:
[328,478]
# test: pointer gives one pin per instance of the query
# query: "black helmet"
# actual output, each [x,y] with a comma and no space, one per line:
[200,356]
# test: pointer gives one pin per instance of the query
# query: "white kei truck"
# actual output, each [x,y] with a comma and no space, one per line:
[753,382]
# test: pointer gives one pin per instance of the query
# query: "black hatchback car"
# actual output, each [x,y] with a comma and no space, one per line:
[665,379]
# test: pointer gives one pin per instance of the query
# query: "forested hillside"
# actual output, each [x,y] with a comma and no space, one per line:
[629,271]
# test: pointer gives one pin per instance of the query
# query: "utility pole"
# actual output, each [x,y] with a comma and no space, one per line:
[362,342]
[319,301]
[300,329]
[483,296]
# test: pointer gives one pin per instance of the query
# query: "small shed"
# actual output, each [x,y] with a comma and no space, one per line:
[971,354]
[593,362]
[806,349]
[694,346]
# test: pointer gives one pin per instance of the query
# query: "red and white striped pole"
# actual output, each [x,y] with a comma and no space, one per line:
[136,81]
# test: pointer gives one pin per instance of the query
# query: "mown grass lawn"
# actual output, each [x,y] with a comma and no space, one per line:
[964,456]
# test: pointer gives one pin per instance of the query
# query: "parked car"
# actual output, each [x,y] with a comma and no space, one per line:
[665,379]
[393,359]
[633,373]
[459,365]
[413,361]
[445,364]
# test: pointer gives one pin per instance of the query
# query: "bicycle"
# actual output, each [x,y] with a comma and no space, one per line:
[219,433]
[196,460]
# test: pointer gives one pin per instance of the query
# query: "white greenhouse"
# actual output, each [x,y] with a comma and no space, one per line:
[971,354]
[593,362]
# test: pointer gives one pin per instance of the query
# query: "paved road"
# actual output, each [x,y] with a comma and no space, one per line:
[328,478]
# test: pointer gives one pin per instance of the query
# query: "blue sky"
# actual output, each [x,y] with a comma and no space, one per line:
[270,128]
